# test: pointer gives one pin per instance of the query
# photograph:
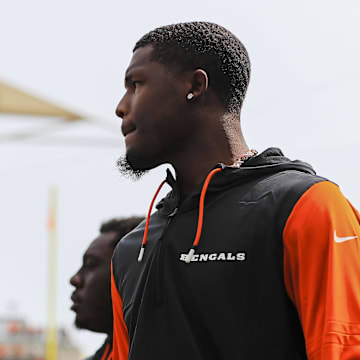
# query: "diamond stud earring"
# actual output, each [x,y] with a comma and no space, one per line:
[190,96]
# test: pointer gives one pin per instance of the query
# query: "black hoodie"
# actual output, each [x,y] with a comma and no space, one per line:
[230,301]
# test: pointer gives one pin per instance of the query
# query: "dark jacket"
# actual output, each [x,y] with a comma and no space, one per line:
[104,353]
[231,301]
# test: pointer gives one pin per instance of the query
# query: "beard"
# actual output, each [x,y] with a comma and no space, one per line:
[127,170]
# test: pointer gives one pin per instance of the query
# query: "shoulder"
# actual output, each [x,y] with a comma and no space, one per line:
[283,190]
[292,181]
[323,202]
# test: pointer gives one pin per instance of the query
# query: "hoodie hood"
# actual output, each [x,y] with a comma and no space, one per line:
[269,162]
[273,158]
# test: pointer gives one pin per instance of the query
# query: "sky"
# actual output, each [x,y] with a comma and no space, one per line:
[303,98]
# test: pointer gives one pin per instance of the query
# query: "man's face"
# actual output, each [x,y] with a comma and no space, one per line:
[153,110]
[91,297]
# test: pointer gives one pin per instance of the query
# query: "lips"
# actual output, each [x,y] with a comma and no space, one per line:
[127,127]
[128,136]
[131,140]
[76,301]
[126,133]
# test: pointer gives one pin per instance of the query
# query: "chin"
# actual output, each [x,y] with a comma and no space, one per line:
[134,165]
[144,161]
[92,325]
[81,323]
[138,161]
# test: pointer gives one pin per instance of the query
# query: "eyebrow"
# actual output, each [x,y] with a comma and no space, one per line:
[91,256]
[132,71]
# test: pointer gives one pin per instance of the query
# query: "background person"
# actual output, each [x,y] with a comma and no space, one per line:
[91,297]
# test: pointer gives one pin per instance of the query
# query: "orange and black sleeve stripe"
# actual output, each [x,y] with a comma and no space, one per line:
[120,333]
[322,272]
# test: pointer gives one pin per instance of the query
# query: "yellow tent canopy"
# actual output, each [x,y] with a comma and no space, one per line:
[15,101]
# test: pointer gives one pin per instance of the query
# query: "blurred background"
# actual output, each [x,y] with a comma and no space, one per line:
[68,58]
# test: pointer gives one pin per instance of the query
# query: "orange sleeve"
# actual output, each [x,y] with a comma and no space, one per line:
[322,272]
[120,333]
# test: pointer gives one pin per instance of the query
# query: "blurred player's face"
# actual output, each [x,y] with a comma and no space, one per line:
[153,112]
[91,298]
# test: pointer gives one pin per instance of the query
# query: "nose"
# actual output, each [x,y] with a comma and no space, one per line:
[122,108]
[75,280]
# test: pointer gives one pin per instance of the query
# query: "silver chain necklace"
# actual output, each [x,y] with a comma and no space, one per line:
[249,154]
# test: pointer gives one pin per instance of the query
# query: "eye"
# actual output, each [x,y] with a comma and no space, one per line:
[136,84]
[89,264]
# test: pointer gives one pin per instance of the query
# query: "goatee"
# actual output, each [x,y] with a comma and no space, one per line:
[126,170]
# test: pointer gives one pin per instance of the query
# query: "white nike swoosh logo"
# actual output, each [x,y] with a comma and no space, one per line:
[340,239]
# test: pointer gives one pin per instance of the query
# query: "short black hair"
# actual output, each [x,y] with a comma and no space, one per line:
[121,226]
[205,45]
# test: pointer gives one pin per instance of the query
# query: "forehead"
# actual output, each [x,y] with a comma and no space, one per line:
[142,64]
[141,58]
[103,244]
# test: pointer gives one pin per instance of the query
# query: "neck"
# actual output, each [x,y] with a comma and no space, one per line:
[197,160]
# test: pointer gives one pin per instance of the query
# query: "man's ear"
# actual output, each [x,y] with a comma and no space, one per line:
[199,83]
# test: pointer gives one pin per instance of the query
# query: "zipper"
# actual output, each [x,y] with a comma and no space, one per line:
[160,282]
[175,211]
